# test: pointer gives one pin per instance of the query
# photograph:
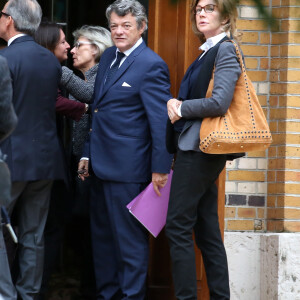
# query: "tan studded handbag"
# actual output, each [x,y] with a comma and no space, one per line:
[243,128]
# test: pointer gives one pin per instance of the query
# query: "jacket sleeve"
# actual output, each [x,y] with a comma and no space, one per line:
[80,89]
[8,118]
[70,108]
[155,92]
[227,72]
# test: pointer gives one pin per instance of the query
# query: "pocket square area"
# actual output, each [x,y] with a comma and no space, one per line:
[126,84]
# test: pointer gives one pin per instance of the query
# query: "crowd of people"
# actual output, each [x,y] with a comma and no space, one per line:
[87,141]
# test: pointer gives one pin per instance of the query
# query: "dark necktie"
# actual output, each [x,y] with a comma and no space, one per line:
[111,72]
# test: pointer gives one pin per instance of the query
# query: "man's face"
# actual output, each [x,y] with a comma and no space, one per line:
[3,22]
[124,31]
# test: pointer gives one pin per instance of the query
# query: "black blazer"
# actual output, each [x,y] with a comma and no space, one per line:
[199,90]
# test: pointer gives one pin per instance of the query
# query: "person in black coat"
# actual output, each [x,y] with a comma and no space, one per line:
[33,153]
[8,121]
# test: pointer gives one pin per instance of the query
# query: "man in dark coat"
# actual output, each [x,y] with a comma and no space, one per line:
[8,121]
[33,153]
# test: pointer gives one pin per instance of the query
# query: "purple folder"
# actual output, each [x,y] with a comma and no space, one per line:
[150,209]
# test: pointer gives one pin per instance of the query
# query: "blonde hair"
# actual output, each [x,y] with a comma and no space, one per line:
[227,9]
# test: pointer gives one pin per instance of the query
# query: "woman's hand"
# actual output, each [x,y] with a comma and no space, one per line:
[172,106]
[83,169]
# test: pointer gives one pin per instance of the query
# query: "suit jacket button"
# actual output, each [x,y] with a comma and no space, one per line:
[91,129]
[96,110]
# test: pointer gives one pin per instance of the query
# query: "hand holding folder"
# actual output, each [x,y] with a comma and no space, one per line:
[150,209]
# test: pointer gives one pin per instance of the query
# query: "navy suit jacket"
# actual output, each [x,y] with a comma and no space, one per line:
[33,150]
[127,140]
[8,118]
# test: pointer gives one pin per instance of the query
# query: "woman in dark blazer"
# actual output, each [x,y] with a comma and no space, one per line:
[193,198]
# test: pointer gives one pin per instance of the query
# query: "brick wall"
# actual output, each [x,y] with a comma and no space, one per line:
[263,188]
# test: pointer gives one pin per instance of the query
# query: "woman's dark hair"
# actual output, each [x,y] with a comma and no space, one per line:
[48,35]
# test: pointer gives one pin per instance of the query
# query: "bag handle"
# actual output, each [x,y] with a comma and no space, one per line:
[240,59]
[239,55]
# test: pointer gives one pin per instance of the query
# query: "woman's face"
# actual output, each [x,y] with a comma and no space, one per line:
[209,23]
[61,49]
[83,54]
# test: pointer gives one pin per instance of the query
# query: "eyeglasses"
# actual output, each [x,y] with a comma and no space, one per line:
[79,43]
[4,14]
[209,8]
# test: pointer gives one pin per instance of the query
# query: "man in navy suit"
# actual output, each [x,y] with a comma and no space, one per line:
[33,154]
[126,150]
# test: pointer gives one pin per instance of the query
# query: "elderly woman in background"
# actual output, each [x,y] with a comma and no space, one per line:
[90,43]
[193,197]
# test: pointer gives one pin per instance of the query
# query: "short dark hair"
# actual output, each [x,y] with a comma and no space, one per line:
[124,7]
[48,35]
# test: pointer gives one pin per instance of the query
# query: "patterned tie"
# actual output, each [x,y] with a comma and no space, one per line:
[111,72]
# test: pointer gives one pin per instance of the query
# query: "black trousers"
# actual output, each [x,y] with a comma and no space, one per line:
[193,206]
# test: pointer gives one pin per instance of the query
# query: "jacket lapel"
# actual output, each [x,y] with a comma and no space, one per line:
[184,86]
[102,71]
[199,90]
[128,61]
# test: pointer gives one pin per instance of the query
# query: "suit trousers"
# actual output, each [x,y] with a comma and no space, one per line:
[193,206]
[7,290]
[31,201]
[119,241]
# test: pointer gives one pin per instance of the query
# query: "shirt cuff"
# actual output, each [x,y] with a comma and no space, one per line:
[84,158]
[179,111]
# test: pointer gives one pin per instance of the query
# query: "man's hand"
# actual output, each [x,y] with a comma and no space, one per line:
[83,169]
[159,180]
[172,106]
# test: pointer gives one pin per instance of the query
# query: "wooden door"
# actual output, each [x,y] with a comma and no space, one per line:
[170,35]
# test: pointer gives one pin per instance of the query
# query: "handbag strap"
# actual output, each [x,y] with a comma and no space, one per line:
[240,59]
[238,54]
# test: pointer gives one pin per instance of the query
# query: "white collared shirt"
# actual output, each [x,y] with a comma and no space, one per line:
[128,52]
[210,42]
[14,37]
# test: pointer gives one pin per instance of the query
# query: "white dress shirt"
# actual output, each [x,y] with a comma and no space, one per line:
[127,52]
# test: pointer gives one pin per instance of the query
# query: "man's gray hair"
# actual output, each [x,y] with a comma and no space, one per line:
[27,15]
[97,35]
[124,7]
